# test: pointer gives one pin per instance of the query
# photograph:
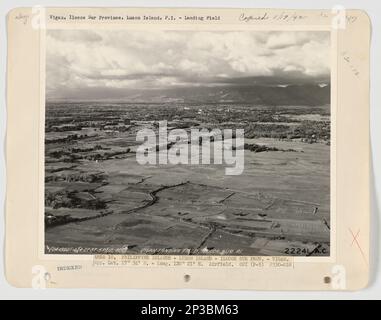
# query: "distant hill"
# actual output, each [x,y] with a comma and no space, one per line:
[293,94]
[309,95]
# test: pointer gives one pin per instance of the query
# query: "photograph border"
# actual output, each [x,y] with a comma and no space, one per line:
[302,276]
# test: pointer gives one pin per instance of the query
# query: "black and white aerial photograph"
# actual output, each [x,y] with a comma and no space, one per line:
[187,143]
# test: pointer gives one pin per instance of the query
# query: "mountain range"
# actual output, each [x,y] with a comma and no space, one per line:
[293,94]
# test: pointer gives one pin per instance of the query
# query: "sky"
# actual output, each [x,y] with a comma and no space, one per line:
[80,62]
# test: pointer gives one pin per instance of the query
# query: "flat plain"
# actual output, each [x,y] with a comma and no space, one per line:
[99,199]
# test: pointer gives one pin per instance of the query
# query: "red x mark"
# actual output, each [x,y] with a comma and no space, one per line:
[354,236]
[355,240]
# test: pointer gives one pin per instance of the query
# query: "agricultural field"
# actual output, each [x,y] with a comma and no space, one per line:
[100,199]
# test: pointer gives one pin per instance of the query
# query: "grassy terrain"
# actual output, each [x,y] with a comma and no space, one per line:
[98,196]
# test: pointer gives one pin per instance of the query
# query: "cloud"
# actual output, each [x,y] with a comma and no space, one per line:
[286,40]
[81,59]
[75,36]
